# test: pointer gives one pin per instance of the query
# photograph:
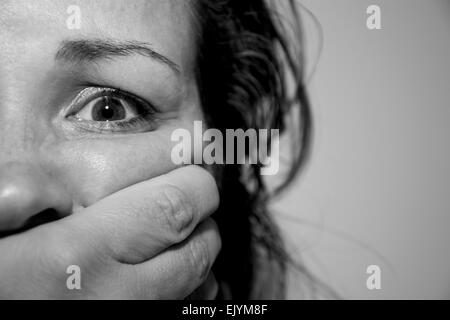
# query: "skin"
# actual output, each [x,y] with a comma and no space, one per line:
[129,218]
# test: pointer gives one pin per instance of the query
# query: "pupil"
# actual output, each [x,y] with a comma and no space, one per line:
[107,112]
[108,109]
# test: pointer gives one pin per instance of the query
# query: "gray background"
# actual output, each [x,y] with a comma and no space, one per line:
[376,190]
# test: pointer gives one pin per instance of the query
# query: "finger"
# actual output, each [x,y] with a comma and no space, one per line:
[140,221]
[178,271]
[207,291]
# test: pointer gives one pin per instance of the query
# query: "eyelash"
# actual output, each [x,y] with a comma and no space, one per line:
[142,123]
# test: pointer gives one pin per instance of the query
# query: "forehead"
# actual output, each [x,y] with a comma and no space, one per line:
[166,24]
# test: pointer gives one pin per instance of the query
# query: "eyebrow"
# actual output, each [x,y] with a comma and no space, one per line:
[91,50]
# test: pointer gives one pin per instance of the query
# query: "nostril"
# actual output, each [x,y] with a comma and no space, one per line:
[43,217]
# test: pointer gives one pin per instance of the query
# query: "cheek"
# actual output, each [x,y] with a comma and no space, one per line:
[94,169]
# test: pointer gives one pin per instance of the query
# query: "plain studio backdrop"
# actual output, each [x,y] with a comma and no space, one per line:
[377,187]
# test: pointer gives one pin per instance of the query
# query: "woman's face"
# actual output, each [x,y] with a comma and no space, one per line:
[67,137]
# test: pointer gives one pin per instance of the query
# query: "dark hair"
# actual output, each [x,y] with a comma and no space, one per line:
[245,60]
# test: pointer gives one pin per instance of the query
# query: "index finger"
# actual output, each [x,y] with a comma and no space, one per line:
[142,220]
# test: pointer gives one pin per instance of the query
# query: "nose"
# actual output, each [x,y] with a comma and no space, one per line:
[29,196]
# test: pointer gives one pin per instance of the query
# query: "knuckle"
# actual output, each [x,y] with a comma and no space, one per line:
[175,210]
[198,258]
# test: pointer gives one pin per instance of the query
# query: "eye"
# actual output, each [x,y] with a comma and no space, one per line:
[110,110]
